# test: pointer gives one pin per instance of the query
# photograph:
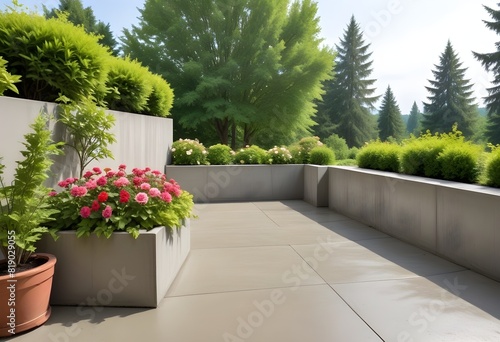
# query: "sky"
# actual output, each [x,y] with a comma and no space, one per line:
[406,37]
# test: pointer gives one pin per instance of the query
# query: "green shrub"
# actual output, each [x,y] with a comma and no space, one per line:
[161,98]
[346,162]
[188,152]
[321,155]
[493,168]
[419,156]
[379,155]
[251,155]
[338,145]
[130,82]
[297,154]
[219,155]
[53,57]
[307,144]
[353,152]
[460,162]
[279,155]
[6,79]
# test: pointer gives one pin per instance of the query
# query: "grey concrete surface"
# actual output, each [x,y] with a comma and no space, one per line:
[286,271]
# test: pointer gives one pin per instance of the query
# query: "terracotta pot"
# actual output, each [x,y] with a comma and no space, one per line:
[30,299]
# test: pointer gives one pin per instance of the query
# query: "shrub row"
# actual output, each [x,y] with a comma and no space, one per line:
[307,150]
[56,58]
[442,156]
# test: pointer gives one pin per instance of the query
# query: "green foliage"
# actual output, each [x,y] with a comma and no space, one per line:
[297,154]
[353,153]
[251,155]
[420,156]
[279,155]
[219,155]
[53,57]
[493,167]
[131,84]
[103,203]
[161,98]
[413,125]
[451,97]
[349,96]
[307,144]
[321,155]
[88,129]
[346,162]
[189,152]
[338,145]
[379,155]
[460,162]
[254,69]
[6,79]
[390,123]
[23,204]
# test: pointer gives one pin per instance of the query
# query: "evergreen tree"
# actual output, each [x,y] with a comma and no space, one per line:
[412,127]
[450,99]
[491,62]
[348,100]
[79,15]
[390,123]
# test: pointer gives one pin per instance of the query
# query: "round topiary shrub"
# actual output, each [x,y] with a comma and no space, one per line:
[321,155]
[379,155]
[459,162]
[219,155]
[188,152]
[279,155]
[251,155]
[307,144]
[419,157]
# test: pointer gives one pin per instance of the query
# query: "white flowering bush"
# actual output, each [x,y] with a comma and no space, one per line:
[251,155]
[188,152]
[279,155]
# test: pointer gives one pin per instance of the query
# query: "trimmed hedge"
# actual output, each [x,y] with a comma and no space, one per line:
[53,57]
[493,168]
[161,99]
[379,155]
[219,155]
[321,155]
[419,156]
[459,162]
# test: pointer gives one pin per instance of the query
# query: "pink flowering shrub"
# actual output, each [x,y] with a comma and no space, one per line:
[104,201]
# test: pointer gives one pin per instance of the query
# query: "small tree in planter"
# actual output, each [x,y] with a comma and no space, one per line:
[23,210]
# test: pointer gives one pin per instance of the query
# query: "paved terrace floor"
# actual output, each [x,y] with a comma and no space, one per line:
[287,271]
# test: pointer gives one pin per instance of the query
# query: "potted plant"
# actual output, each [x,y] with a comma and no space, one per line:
[119,222]
[26,277]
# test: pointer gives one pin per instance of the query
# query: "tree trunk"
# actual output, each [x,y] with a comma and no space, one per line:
[248,135]
[233,136]
[222,128]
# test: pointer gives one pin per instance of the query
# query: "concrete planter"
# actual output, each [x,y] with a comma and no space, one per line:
[219,183]
[316,185]
[454,220]
[119,271]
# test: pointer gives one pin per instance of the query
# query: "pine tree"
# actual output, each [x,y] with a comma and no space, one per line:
[451,98]
[412,126]
[348,99]
[390,123]
[491,62]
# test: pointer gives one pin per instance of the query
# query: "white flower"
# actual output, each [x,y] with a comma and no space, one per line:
[173,149]
[242,161]
[276,152]
[204,152]
[189,152]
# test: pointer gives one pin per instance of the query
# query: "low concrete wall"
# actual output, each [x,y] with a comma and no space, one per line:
[316,185]
[457,221]
[216,183]
[142,141]
[119,271]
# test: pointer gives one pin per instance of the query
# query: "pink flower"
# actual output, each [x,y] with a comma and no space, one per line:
[78,191]
[141,198]
[102,197]
[95,205]
[156,173]
[88,174]
[91,184]
[97,170]
[52,193]
[85,212]
[154,192]
[166,197]
[124,196]
[122,167]
[110,174]
[145,186]
[121,173]
[102,181]
[137,181]
[121,182]
[173,189]
[138,172]
[106,213]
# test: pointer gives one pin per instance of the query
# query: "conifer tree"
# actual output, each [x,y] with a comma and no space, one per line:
[349,96]
[390,123]
[450,99]
[491,62]
[412,126]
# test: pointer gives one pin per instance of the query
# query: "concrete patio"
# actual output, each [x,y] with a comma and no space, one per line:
[287,271]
